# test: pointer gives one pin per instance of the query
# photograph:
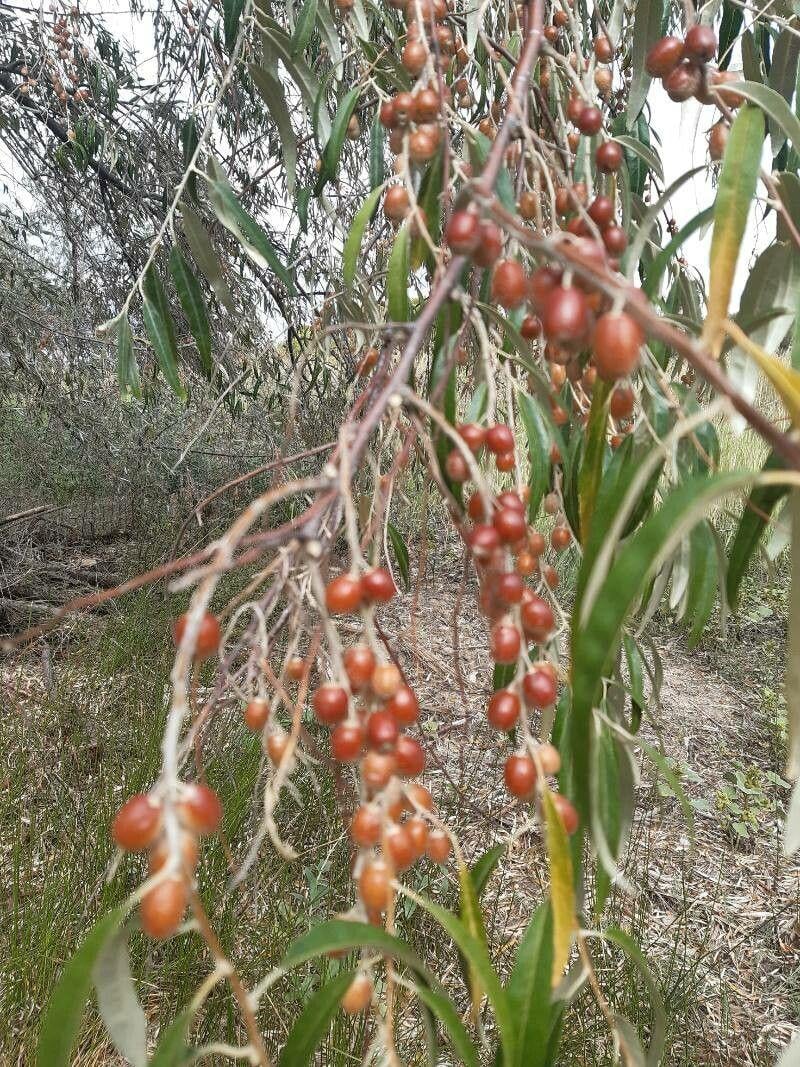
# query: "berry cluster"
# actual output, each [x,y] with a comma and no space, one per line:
[139,827]
[369,708]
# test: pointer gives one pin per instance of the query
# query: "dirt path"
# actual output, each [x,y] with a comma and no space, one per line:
[718,919]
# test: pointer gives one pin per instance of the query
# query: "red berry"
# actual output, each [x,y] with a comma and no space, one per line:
[531,327]
[589,120]
[343,594]
[520,775]
[359,663]
[561,537]
[566,317]
[455,466]
[277,744]
[382,731]
[256,714]
[566,812]
[374,885]
[489,246]
[621,404]
[509,587]
[601,211]
[417,830]
[506,643]
[615,240]
[536,543]
[396,202]
[404,706]
[200,809]
[549,758]
[537,619]
[603,48]
[608,157]
[347,741]
[483,540]
[684,82]
[473,436]
[701,42]
[387,116]
[438,847]
[539,688]
[510,525]
[410,756]
[208,637]
[503,711]
[163,907]
[377,585]
[358,995]
[137,823]
[386,680]
[616,342]
[499,439]
[475,507]
[330,703]
[509,499]
[462,232]
[377,769]
[365,829]
[509,283]
[400,847]
[663,57]
[543,281]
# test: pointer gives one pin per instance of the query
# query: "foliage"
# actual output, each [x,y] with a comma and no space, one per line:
[511,311]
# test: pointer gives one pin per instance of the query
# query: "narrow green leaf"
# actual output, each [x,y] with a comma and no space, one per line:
[660,262]
[397,276]
[477,957]
[352,244]
[64,1011]
[595,639]
[637,246]
[377,166]
[443,1009]
[737,187]
[313,1022]
[731,24]
[479,147]
[160,329]
[471,917]
[194,308]
[673,781]
[400,550]
[231,15]
[647,154]
[117,1001]
[340,934]
[529,989]
[657,1012]
[757,509]
[243,226]
[539,443]
[702,586]
[562,888]
[273,95]
[304,27]
[484,866]
[792,684]
[276,39]
[591,468]
[646,31]
[333,148]
[783,77]
[205,256]
[127,368]
[172,1050]
[189,143]
[606,813]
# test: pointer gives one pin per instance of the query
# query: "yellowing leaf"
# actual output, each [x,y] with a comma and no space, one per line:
[473,920]
[737,186]
[562,888]
[785,380]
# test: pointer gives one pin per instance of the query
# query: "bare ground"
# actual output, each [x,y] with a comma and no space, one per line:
[718,917]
